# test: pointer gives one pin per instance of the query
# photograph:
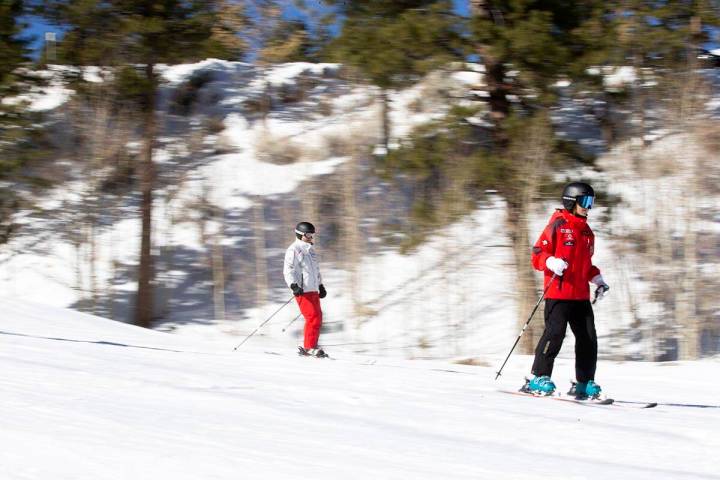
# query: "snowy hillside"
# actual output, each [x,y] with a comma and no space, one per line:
[54,269]
[88,398]
[250,157]
[453,297]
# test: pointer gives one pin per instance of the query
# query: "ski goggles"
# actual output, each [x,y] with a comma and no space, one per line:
[306,235]
[585,201]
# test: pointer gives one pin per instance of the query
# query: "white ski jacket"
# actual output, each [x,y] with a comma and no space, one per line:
[302,266]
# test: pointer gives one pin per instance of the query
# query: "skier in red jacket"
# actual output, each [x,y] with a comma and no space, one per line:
[564,253]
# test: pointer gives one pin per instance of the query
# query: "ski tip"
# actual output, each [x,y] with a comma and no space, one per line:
[651,405]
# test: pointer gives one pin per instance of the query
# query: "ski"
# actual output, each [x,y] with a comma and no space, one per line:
[632,404]
[268,352]
[588,402]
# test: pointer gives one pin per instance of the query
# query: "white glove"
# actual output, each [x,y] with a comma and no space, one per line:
[601,289]
[556,265]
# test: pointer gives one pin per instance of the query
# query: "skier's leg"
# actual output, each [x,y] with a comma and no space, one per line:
[310,308]
[307,310]
[552,338]
[582,324]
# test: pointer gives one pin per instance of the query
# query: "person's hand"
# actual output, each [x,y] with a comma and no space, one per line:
[556,265]
[601,289]
[323,292]
[296,289]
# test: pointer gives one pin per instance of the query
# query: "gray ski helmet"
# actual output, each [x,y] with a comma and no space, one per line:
[304,227]
[573,190]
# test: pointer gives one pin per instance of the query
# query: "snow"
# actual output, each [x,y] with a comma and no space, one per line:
[288,72]
[52,97]
[176,74]
[469,78]
[85,397]
[54,93]
[615,77]
[234,176]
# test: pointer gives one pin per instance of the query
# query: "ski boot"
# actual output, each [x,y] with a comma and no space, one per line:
[584,391]
[317,352]
[311,352]
[540,385]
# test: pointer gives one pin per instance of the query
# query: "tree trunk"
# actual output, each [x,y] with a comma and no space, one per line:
[144,306]
[497,88]
[527,291]
[385,119]
[218,267]
[529,156]
[351,233]
[494,67]
[94,290]
[261,273]
[687,299]
[686,310]
[639,101]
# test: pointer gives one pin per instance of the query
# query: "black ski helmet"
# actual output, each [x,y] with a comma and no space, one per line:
[574,190]
[302,228]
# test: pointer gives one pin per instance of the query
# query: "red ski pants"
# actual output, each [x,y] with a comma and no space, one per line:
[309,303]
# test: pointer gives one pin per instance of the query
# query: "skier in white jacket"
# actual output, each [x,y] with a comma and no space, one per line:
[302,275]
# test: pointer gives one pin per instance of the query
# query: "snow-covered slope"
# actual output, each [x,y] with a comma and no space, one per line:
[87,398]
[451,297]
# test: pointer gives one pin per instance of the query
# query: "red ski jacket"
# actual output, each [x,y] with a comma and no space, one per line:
[570,238]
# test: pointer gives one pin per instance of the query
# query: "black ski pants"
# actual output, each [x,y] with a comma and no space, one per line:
[579,314]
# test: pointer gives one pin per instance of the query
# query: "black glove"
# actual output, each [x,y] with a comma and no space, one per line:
[323,292]
[297,289]
[600,292]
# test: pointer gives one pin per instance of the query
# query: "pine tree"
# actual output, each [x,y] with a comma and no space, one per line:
[13,123]
[133,37]
[661,43]
[301,38]
[290,42]
[231,18]
[13,48]
[541,41]
[394,43]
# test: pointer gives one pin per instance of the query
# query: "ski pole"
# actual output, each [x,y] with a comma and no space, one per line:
[263,323]
[526,324]
[291,322]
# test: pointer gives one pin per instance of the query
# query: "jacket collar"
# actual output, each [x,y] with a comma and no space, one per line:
[573,219]
[302,244]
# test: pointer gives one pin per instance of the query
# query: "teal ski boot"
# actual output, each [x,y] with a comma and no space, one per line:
[582,390]
[540,385]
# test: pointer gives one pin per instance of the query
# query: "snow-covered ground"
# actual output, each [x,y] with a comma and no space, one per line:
[87,398]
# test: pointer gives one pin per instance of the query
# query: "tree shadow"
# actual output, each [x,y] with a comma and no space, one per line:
[95,342]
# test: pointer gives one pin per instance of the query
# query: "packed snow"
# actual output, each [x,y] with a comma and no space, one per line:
[85,397]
